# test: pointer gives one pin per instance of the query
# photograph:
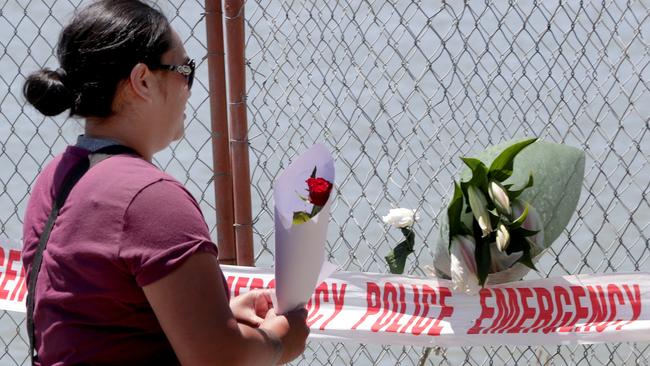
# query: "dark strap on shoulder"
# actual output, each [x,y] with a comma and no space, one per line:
[69,182]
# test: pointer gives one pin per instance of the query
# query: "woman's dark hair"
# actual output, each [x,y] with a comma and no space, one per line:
[96,51]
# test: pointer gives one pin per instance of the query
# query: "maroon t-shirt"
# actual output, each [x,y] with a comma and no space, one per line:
[124,225]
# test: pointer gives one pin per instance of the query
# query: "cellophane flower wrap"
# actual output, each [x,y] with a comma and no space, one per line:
[512,202]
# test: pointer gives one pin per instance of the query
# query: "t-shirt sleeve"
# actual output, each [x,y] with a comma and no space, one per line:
[163,226]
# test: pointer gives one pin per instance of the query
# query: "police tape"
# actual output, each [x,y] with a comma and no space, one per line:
[405,310]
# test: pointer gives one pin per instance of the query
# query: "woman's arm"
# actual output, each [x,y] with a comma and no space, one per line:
[193,310]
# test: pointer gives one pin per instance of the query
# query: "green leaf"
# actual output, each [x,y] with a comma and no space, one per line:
[479,172]
[313,173]
[527,260]
[518,240]
[520,220]
[517,243]
[501,168]
[300,217]
[453,213]
[524,233]
[396,258]
[481,255]
[516,193]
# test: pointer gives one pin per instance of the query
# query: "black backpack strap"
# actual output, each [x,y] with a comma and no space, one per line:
[75,174]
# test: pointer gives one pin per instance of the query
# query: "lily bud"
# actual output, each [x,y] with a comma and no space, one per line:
[499,197]
[478,204]
[503,237]
[463,265]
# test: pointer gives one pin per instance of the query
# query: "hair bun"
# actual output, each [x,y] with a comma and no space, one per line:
[46,91]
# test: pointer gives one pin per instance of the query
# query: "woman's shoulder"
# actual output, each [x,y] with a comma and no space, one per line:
[118,171]
[46,179]
[120,178]
[128,170]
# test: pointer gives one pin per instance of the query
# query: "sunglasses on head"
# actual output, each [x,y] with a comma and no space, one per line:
[187,70]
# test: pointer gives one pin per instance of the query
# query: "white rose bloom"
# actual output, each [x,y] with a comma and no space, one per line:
[400,217]
[463,264]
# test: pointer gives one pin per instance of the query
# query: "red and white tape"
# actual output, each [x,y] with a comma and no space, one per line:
[404,310]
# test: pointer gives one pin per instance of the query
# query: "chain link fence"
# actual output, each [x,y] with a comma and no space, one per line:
[397,91]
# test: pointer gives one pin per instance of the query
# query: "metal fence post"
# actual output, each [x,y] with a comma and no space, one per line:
[220,146]
[238,125]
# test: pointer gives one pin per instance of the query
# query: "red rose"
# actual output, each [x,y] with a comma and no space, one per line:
[319,190]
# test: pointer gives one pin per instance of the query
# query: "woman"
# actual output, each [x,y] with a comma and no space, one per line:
[129,275]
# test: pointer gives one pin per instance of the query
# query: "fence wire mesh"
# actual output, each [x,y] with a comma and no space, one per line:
[398,91]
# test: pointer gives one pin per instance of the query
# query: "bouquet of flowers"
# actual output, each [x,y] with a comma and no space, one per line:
[301,227]
[512,202]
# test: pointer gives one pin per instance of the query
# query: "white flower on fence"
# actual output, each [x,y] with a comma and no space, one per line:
[400,217]
[403,219]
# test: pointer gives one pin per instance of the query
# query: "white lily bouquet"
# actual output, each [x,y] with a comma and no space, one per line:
[511,204]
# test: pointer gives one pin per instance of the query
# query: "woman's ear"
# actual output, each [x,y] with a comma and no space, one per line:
[142,81]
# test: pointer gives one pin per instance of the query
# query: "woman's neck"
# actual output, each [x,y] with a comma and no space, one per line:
[120,129]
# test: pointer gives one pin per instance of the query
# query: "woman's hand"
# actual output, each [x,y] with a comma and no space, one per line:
[251,307]
[291,329]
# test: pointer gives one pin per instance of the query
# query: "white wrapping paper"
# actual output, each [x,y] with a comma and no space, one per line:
[300,249]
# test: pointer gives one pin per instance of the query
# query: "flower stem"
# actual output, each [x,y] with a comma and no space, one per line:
[425,356]
[315,210]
